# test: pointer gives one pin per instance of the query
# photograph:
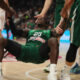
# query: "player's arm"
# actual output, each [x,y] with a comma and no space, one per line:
[46,7]
[59,30]
[65,13]
[5,5]
[6,1]
[18,31]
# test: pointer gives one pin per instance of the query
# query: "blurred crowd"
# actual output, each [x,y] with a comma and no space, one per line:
[25,18]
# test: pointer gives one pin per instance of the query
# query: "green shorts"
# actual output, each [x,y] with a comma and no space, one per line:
[75,27]
[57,16]
[30,53]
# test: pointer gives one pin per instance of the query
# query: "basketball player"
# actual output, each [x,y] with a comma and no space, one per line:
[75,37]
[58,7]
[4,7]
[41,45]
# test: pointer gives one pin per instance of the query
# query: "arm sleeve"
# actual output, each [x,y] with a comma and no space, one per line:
[17,31]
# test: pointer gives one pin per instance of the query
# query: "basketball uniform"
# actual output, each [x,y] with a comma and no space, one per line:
[75,27]
[31,51]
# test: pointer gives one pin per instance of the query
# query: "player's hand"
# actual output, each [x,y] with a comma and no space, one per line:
[59,30]
[40,18]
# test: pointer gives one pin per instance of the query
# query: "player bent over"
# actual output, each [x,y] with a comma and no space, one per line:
[75,37]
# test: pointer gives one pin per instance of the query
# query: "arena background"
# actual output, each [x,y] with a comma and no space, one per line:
[16,70]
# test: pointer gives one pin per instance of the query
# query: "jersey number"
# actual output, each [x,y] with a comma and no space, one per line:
[37,34]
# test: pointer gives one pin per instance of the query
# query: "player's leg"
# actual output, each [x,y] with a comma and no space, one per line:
[70,60]
[54,52]
[2,44]
[57,18]
[6,7]
[2,20]
[11,46]
[76,68]
[75,39]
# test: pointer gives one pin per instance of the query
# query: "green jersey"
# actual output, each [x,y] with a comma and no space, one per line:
[38,36]
[58,8]
[31,51]
[75,28]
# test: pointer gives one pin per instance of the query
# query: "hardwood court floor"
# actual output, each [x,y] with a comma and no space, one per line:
[29,71]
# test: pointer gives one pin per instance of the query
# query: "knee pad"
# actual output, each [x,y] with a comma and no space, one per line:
[71,54]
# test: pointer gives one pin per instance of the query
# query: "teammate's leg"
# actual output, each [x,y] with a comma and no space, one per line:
[54,52]
[6,7]
[76,68]
[70,59]
[11,46]
[2,44]
[75,39]
[57,18]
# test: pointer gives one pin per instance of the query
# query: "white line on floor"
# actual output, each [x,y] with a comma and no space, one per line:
[32,70]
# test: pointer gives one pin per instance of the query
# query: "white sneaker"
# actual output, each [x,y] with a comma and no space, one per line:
[52,76]
[47,68]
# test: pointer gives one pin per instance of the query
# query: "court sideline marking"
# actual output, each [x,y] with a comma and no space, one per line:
[32,70]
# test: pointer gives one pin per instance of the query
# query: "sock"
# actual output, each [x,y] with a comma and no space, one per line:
[52,68]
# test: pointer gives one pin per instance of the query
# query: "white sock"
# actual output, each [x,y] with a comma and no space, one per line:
[52,68]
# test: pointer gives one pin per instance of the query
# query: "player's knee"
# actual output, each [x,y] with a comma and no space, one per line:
[71,54]
[53,42]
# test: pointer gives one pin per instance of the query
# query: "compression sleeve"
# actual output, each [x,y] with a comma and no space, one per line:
[16,31]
